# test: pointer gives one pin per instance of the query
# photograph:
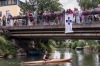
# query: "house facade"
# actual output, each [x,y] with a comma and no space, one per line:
[9,6]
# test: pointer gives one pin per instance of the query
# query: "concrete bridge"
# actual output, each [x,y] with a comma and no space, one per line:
[81,31]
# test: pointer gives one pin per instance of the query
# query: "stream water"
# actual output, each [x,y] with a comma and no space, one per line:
[79,58]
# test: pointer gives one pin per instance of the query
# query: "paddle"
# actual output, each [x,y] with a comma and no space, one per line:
[51,57]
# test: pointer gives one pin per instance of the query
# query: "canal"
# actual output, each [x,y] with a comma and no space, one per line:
[80,58]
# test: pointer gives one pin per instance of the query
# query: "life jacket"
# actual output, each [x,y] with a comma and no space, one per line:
[47,57]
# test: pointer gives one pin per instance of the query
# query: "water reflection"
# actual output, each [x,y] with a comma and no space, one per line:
[56,55]
[79,58]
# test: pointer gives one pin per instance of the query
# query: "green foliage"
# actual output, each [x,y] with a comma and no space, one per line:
[98,41]
[90,42]
[80,44]
[52,42]
[51,48]
[48,46]
[74,45]
[98,47]
[88,3]
[43,47]
[1,52]
[33,5]
[6,46]
[61,43]
[51,45]
[70,44]
[53,5]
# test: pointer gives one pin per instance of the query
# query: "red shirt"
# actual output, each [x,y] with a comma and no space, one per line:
[31,16]
[70,12]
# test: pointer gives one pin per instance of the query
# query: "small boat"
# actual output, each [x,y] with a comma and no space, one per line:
[79,48]
[49,61]
[47,64]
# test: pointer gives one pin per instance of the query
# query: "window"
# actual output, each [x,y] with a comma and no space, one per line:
[2,3]
[12,2]
[9,2]
[6,2]
[15,1]
[0,13]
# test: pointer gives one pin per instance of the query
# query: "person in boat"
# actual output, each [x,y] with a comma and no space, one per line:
[46,57]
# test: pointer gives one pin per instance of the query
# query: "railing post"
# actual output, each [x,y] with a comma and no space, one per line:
[11,22]
[29,23]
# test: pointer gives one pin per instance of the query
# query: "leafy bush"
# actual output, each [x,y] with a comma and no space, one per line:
[90,42]
[50,48]
[74,45]
[52,42]
[98,47]
[80,44]
[6,46]
[1,52]
[42,47]
[61,44]
[70,44]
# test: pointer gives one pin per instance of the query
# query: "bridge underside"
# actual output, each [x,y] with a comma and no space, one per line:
[91,31]
[58,36]
[85,38]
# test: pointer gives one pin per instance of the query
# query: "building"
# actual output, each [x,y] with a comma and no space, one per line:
[9,6]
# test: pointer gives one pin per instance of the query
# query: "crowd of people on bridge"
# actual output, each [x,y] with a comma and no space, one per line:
[86,18]
[50,17]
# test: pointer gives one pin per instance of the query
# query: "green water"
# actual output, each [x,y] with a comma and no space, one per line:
[80,58]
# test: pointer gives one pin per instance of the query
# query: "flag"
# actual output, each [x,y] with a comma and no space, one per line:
[68,23]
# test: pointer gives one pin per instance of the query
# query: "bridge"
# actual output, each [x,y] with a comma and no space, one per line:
[81,31]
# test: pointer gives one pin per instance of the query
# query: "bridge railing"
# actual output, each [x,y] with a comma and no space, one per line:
[85,18]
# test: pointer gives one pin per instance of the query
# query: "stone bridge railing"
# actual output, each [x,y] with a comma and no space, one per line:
[75,26]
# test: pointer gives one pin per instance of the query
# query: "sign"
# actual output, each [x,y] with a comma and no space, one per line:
[68,23]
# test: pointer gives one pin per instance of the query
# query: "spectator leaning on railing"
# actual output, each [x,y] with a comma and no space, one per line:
[0,22]
[39,17]
[31,18]
[4,20]
[35,17]
[9,19]
[98,9]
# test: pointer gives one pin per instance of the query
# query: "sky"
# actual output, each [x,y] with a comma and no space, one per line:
[67,4]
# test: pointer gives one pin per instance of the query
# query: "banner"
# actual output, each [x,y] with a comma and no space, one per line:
[68,23]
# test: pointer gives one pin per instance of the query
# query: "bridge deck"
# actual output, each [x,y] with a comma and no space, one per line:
[90,31]
[75,26]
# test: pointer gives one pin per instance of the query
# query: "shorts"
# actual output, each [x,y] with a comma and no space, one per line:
[31,20]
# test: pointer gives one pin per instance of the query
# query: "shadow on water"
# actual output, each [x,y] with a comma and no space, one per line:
[79,58]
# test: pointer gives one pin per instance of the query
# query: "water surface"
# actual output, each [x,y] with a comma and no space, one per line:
[80,58]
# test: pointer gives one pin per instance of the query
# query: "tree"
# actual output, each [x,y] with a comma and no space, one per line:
[53,5]
[24,8]
[33,5]
[88,3]
[28,6]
